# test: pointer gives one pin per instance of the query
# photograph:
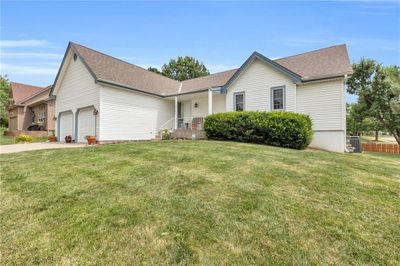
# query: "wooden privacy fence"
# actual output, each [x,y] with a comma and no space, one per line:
[381,147]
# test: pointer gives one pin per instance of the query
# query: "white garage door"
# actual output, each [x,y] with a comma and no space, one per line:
[86,124]
[66,125]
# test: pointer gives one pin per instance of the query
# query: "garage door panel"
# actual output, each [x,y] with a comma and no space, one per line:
[86,124]
[66,125]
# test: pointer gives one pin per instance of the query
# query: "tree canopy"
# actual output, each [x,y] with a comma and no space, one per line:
[378,91]
[154,69]
[4,100]
[182,68]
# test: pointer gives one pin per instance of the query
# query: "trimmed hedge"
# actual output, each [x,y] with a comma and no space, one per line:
[284,129]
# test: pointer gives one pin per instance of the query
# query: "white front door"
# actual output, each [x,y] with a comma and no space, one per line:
[185,114]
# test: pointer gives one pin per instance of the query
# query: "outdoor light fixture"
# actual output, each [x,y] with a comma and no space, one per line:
[54,118]
[95,112]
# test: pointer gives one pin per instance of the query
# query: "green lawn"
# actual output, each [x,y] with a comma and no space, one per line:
[199,202]
[381,139]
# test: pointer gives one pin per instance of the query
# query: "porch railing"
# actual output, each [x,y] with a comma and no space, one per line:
[191,122]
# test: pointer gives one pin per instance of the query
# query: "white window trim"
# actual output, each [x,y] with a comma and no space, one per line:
[234,100]
[283,88]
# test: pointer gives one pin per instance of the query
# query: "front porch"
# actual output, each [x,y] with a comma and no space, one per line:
[192,108]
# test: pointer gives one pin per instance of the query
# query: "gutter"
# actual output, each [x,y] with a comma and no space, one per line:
[109,83]
[345,75]
[320,79]
[214,89]
[190,92]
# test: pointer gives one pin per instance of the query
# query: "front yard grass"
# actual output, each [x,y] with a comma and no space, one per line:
[381,139]
[199,202]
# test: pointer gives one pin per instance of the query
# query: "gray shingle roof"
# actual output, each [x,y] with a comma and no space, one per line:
[327,62]
[23,92]
[210,81]
[323,63]
[108,68]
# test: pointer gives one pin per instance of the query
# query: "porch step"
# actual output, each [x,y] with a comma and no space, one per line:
[182,133]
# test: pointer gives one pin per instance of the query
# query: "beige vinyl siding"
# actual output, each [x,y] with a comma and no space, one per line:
[202,108]
[218,105]
[130,115]
[324,102]
[50,115]
[76,88]
[256,81]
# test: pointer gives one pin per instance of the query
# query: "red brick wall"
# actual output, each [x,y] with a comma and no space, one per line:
[25,132]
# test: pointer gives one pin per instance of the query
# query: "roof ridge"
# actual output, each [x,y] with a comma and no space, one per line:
[312,51]
[24,84]
[211,74]
[73,43]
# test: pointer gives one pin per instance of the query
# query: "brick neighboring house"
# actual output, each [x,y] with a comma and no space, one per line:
[30,105]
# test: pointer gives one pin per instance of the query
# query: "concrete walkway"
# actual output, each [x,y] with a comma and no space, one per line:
[12,148]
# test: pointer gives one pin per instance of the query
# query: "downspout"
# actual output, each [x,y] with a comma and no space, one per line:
[210,99]
[345,114]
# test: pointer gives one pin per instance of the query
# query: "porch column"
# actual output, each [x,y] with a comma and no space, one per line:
[176,113]
[210,101]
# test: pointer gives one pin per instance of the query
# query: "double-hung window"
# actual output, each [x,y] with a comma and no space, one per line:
[278,98]
[238,101]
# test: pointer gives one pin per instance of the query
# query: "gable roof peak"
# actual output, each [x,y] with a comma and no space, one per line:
[114,71]
[122,61]
[321,63]
[22,92]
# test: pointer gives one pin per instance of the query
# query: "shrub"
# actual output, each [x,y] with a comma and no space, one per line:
[166,134]
[284,129]
[23,138]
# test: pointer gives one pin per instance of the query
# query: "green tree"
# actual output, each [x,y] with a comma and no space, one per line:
[154,69]
[354,120]
[393,78]
[358,122]
[373,124]
[4,100]
[184,68]
[377,88]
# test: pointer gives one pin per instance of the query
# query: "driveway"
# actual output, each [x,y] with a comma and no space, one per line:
[12,148]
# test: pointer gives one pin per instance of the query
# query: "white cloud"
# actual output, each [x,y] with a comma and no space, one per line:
[12,55]
[26,70]
[219,68]
[23,43]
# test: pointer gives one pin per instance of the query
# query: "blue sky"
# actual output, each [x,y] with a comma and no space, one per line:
[222,35]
